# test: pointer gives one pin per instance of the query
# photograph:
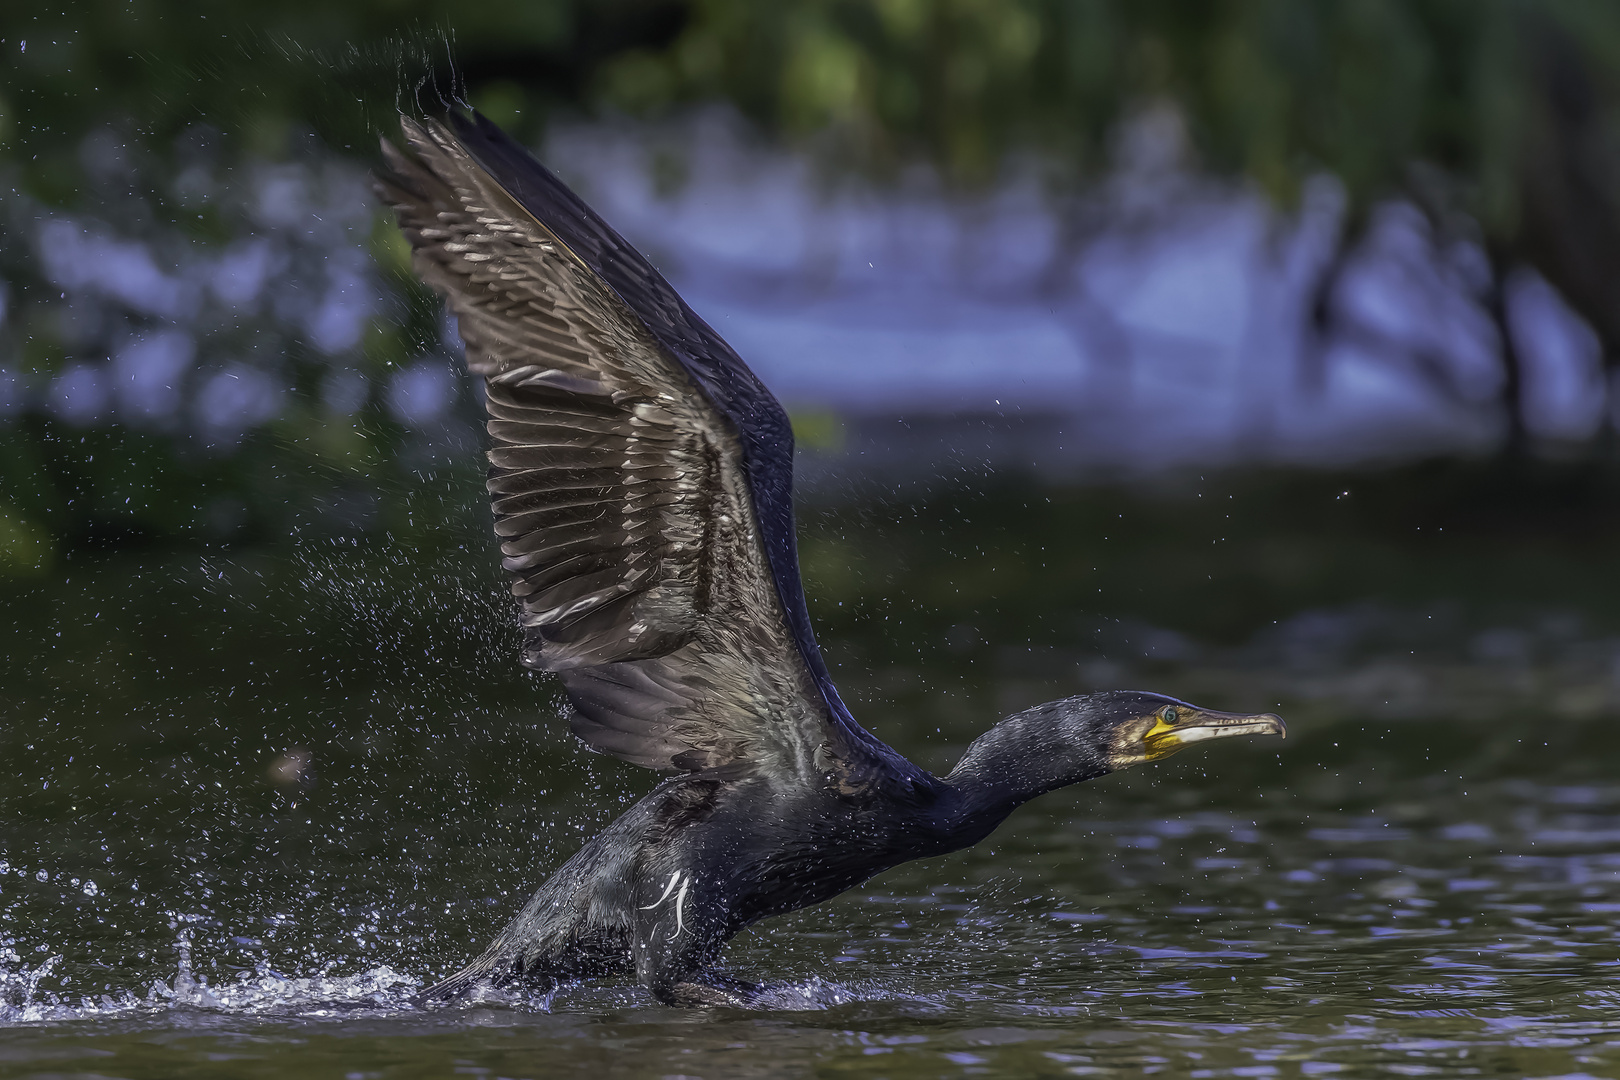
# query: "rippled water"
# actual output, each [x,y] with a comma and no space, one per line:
[249,805]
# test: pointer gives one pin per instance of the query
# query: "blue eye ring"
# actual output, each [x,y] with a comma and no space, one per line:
[1168,714]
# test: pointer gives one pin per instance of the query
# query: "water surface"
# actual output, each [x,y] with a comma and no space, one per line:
[252,801]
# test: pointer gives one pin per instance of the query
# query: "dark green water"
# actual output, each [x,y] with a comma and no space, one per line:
[1424,879]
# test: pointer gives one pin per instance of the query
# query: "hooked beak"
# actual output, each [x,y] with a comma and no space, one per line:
[1196,725]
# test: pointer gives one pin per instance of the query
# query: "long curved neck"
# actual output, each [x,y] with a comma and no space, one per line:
[1023,756]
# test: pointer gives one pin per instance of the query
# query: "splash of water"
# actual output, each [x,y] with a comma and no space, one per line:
[261,991]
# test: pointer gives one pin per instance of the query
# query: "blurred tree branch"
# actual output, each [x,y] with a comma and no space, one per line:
[1513,104]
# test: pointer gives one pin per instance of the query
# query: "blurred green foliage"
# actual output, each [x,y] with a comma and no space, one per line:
[1275,89]
[1501,118]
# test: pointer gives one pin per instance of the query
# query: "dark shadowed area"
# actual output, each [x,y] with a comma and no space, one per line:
[1258,354]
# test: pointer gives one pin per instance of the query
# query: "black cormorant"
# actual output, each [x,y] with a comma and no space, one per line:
[642,486]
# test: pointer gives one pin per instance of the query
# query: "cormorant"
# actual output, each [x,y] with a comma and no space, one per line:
[642,486]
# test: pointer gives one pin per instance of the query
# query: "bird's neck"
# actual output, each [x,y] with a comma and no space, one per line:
[1018,759]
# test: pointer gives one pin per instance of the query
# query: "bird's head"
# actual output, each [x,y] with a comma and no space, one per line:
[1081,738]
[1134,727]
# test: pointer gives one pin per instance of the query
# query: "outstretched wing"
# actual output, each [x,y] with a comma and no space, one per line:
[641,475]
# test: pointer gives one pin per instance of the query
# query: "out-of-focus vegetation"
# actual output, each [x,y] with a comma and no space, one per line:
[1496,96]
[149,125]
[1499,118]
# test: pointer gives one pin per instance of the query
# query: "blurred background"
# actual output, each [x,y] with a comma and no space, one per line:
[1264,352]
[1320,301]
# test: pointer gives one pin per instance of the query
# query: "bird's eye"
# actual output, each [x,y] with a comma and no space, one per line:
[1168,714]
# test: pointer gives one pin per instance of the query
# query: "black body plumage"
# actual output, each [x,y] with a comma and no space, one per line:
[641,482]
[658,892]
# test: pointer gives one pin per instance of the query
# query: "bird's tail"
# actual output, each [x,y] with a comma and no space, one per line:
[489,974]
[561,933]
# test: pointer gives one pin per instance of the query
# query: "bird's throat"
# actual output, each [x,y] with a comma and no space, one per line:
[1018,759]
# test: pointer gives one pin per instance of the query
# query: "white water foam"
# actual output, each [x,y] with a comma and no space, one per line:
[376,991]
[263,991]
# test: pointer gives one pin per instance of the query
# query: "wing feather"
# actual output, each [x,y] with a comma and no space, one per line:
[625,497]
